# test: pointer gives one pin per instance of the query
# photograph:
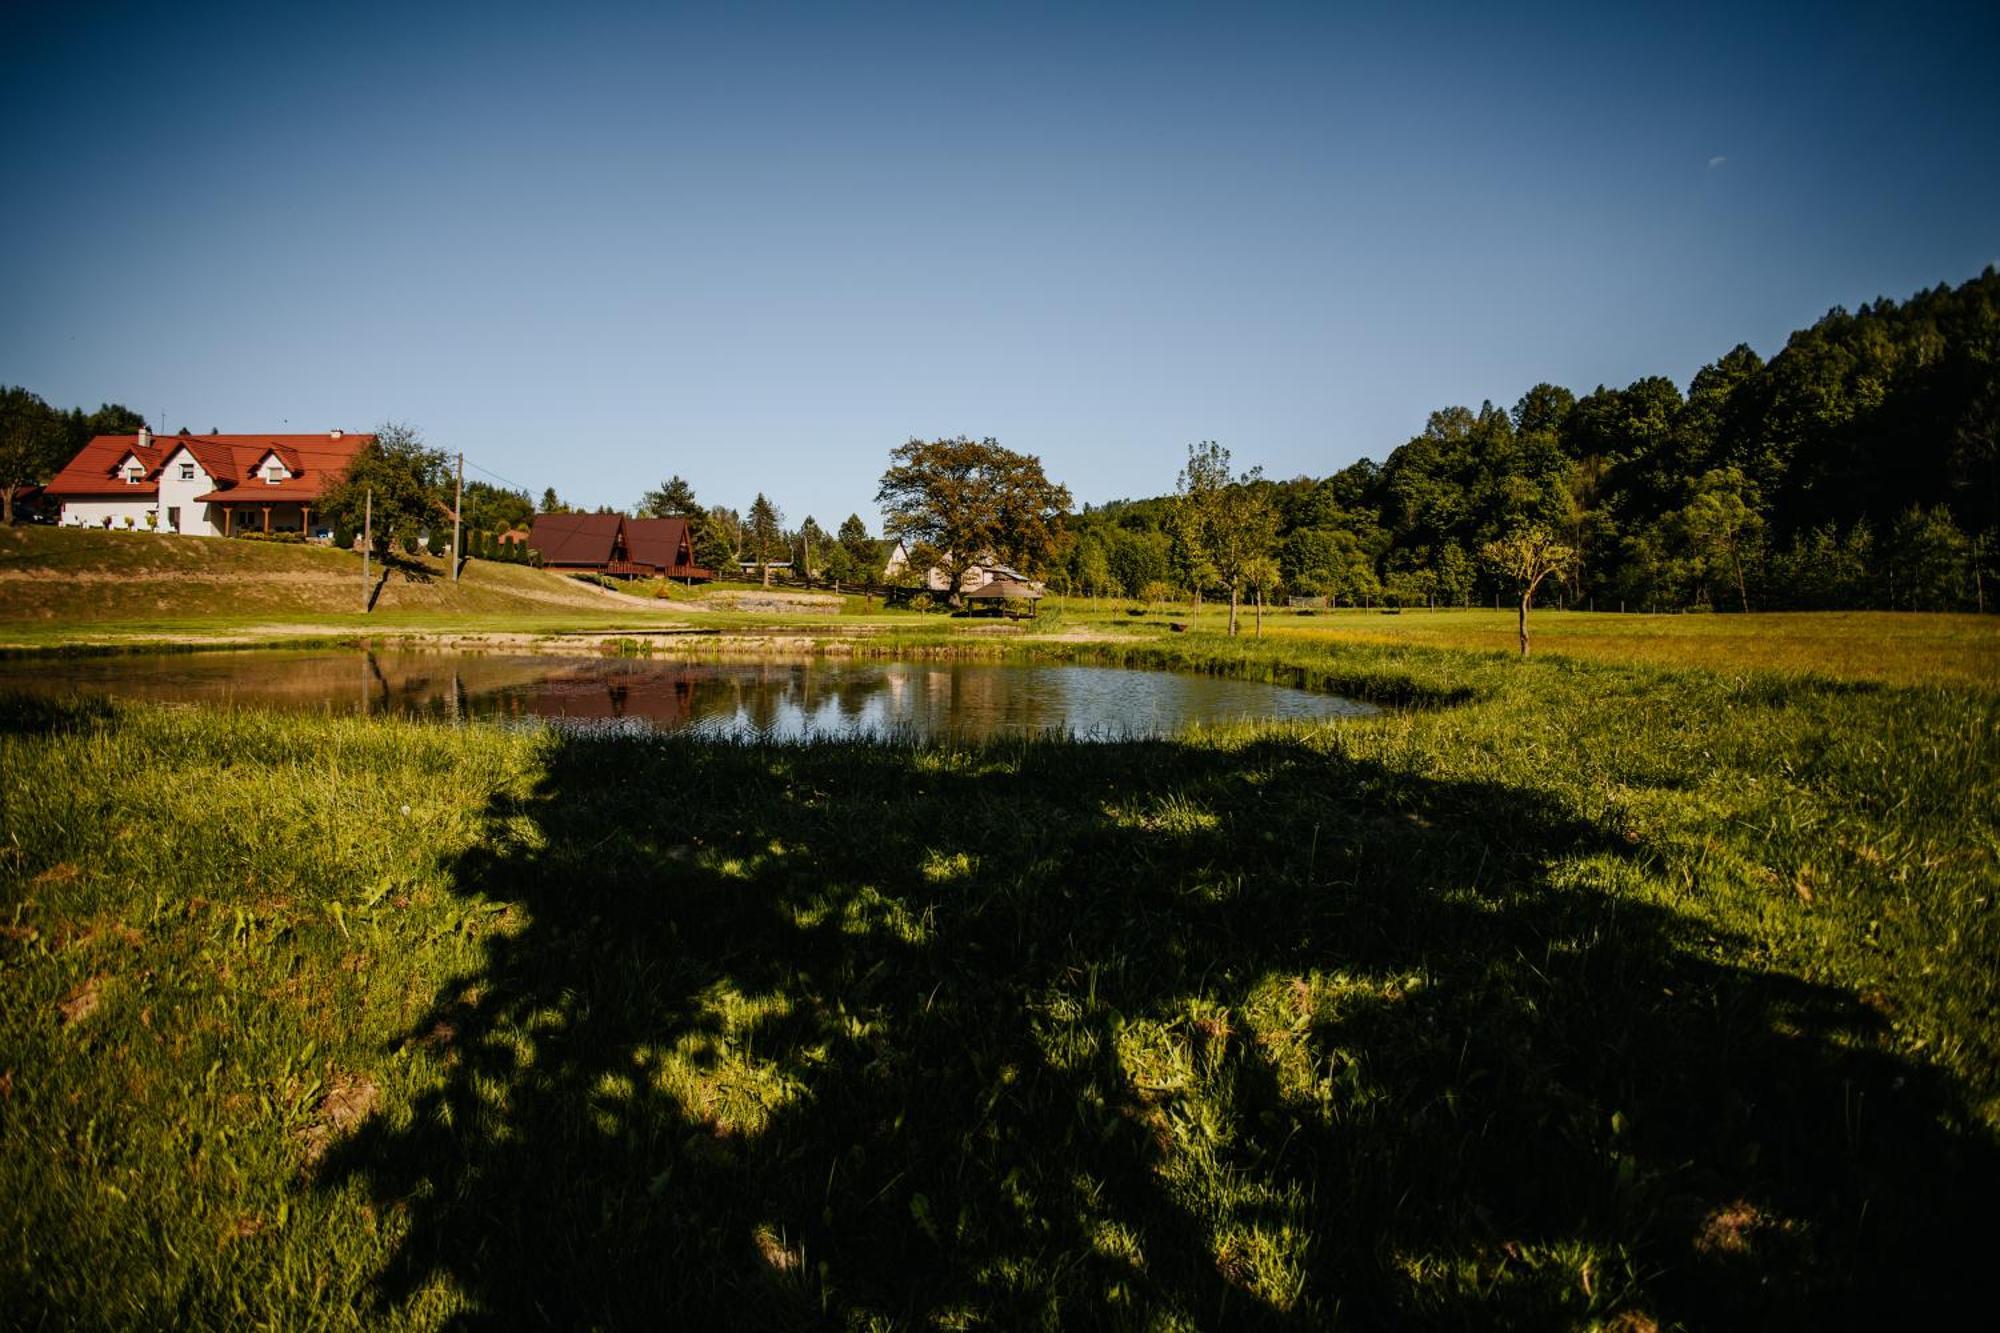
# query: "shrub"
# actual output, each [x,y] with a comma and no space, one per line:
[920,603]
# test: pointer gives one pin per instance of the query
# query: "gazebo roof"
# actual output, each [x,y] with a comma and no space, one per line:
[1012,589]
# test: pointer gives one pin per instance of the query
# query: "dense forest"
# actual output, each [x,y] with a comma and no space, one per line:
[1856,468]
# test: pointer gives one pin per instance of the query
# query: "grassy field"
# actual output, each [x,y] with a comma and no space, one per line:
[64,587]
[1851,645]
[1568,994]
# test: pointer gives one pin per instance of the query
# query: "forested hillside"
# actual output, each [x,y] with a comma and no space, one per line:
[1856,468]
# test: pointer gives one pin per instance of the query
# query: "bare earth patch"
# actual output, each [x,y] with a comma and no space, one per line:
[1736,1230]
[82,1001]
[351,1100]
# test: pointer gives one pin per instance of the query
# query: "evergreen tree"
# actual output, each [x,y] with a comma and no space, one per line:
[766,534]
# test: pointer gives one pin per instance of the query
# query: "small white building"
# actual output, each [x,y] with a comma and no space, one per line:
[203,485]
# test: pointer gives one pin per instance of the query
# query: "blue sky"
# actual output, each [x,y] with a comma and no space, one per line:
[761,246]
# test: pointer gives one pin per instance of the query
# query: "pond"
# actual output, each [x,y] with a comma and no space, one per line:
[724,700]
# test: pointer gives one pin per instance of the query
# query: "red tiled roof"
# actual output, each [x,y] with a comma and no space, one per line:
[229,460]
[288,491]
[288,456]
[577,539]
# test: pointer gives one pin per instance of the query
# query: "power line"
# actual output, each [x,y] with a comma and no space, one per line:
[495,475]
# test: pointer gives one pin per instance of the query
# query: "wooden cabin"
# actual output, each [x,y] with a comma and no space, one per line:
[619,546]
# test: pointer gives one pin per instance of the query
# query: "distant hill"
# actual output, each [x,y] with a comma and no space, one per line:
[50,575]
[1859,468]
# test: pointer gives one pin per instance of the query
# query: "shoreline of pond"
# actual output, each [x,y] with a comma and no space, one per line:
[790,695]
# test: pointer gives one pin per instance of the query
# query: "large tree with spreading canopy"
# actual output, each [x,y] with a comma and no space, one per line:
[957,502]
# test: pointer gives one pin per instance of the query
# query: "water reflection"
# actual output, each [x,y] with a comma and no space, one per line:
[773,700]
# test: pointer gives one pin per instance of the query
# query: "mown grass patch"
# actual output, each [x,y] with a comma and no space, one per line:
[1587,994]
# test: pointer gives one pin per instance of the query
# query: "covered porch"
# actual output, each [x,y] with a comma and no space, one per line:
[253,514]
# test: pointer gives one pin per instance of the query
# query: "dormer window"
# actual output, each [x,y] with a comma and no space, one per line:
[274,474]
[135,474]
[187,471]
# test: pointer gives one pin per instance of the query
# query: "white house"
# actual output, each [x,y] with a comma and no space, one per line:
[976,576]
[203,485]
[898,561]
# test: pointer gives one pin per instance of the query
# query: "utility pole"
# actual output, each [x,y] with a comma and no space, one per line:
[457,515]
[367,542]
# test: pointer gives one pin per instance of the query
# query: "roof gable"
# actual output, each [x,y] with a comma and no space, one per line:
[577,539]
[665,542]
[212,459]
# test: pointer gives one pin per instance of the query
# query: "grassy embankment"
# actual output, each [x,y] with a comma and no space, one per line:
[1603,994]
[65,588]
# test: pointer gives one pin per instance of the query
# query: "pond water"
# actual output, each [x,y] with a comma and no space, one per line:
[766,700]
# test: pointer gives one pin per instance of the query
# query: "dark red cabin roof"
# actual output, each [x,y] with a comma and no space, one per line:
[666,544]
[585,540]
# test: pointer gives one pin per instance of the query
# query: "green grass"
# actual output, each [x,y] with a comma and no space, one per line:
[1897,647]
[1571,994]
[63,587]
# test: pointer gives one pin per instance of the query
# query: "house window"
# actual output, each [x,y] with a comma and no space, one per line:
[134,475]
[187,471]
[274,474]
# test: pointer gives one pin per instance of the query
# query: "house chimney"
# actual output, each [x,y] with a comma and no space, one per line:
[335,433]
[145,438]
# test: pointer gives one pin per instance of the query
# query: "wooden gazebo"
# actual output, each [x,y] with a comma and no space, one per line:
[1003,590]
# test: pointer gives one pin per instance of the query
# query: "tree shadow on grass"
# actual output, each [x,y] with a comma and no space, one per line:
[39,715]
[1146,1033]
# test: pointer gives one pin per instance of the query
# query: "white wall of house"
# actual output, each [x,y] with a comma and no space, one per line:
[177,498]
[973,579]
[93,513]
[899,560]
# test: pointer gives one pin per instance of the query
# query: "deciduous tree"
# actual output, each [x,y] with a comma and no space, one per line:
[1527,557]
[959,501]
[409,482]
[1719,526]
[1197,496]
[1224,522]
[1261,576]
[32,445]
